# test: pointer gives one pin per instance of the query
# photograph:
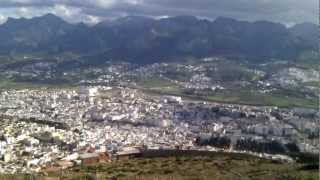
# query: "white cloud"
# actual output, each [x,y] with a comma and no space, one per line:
[104,3]
[66,11]
[92,19]
[23,1]
[24,12]
[134,2]
[285,11]
[2,19]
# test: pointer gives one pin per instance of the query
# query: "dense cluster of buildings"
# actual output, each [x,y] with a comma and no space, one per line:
[48,129]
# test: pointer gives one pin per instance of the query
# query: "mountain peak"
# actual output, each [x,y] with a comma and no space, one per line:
[14,20]
[184,19]
[304,25]
[49,17]
[127,21]
[130,19]
[307,31]
[222,19]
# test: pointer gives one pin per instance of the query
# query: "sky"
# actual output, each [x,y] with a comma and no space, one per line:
[288,12]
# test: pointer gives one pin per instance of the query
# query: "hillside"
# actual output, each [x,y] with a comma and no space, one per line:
[205,165]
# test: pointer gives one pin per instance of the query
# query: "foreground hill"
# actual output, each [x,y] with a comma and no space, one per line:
[205,165]
[145,40]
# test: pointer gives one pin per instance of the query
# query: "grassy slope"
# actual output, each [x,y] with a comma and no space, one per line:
[212,166]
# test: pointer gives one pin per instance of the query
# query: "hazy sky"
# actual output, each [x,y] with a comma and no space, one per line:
[93,11]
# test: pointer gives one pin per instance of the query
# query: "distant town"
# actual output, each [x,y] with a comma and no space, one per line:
[48,129]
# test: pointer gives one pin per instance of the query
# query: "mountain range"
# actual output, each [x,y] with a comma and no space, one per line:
[145,40]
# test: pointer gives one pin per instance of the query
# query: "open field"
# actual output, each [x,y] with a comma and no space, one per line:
[10,84]
[241,97]
[313,84]
[156,83]
[264,99]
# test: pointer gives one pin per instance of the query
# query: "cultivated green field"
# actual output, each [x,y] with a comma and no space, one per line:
[11,84]
[247,97]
